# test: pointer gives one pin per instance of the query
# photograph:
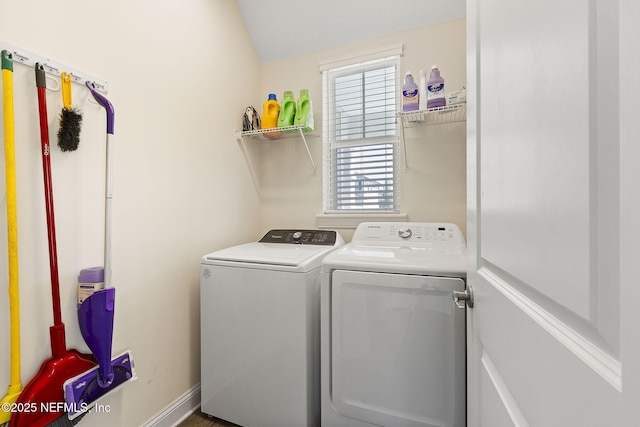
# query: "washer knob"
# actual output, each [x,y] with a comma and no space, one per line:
[405,232]
[297,235]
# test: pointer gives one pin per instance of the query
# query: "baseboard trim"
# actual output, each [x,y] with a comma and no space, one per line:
[178,411]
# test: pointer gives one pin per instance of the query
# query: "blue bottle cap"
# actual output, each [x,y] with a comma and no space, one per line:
[272,96]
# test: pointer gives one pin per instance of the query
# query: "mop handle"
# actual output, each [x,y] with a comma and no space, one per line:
[108,197]
[48,192]
[108,191]
[12,218]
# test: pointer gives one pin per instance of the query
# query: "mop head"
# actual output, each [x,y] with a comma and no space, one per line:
[83,391]
[69,132]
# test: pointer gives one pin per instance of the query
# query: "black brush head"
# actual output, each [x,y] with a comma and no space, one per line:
[69,132]
[64,421]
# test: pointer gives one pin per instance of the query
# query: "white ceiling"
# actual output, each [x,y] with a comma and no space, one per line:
[284,28]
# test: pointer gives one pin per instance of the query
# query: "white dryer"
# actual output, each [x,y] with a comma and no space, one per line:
[393,340]
[260,329]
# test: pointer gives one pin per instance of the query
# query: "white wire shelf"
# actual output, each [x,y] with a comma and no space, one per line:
[434,116]
[271,134]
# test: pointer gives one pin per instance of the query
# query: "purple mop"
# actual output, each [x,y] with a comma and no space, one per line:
[96,313]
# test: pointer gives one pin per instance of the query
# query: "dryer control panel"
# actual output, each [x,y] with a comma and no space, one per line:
[301,237]
[415,232]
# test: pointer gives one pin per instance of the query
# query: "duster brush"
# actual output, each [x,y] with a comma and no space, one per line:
[70,119]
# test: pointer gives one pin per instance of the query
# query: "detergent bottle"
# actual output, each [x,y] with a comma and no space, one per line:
[89,281]
[271,112]
[304,113]
[435,89]
[287,110]
[410,94]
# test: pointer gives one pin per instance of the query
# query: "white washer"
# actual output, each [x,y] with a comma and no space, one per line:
[260,329]
[393,340]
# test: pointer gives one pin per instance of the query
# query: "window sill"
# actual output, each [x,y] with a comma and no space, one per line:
[351,221]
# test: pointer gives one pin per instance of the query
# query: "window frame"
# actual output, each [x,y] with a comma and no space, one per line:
[383,58]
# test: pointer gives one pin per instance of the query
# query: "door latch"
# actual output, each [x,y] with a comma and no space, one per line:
[463,298]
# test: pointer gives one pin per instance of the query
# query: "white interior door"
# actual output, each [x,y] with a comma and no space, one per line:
[553,136]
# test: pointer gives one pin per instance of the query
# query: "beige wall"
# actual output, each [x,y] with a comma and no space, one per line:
[433,188]
[179,73]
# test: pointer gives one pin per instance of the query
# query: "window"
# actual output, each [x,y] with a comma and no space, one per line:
[360,137]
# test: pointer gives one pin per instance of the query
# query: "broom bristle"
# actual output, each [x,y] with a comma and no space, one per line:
[69,132]
[64,421]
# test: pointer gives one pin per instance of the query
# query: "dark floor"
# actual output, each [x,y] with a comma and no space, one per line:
[198,419]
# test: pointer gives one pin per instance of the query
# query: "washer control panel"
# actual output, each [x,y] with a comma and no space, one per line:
[415,232]
[301,237]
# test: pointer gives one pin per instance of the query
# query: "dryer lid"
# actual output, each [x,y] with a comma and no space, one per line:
[449,262]
[408,248]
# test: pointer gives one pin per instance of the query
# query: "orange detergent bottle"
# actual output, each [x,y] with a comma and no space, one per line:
[271,111]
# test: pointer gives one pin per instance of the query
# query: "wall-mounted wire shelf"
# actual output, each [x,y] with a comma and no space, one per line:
[280,133]
[274,134]
[433,116]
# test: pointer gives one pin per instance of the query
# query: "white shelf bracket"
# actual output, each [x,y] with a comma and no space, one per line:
[274,134]
[434,116]
[313,165]
[247,156]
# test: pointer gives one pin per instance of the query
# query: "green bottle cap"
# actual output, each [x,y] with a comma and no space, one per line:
[7,62]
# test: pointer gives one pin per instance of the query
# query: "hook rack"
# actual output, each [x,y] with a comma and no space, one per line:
[30,59]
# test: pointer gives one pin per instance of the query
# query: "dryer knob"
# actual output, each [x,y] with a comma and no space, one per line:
[297,235]
[405,232]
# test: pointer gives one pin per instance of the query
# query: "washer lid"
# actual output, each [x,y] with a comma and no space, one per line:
[292,250]
[271,255]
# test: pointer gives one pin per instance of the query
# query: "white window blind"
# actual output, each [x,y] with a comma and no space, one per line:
[360,139]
